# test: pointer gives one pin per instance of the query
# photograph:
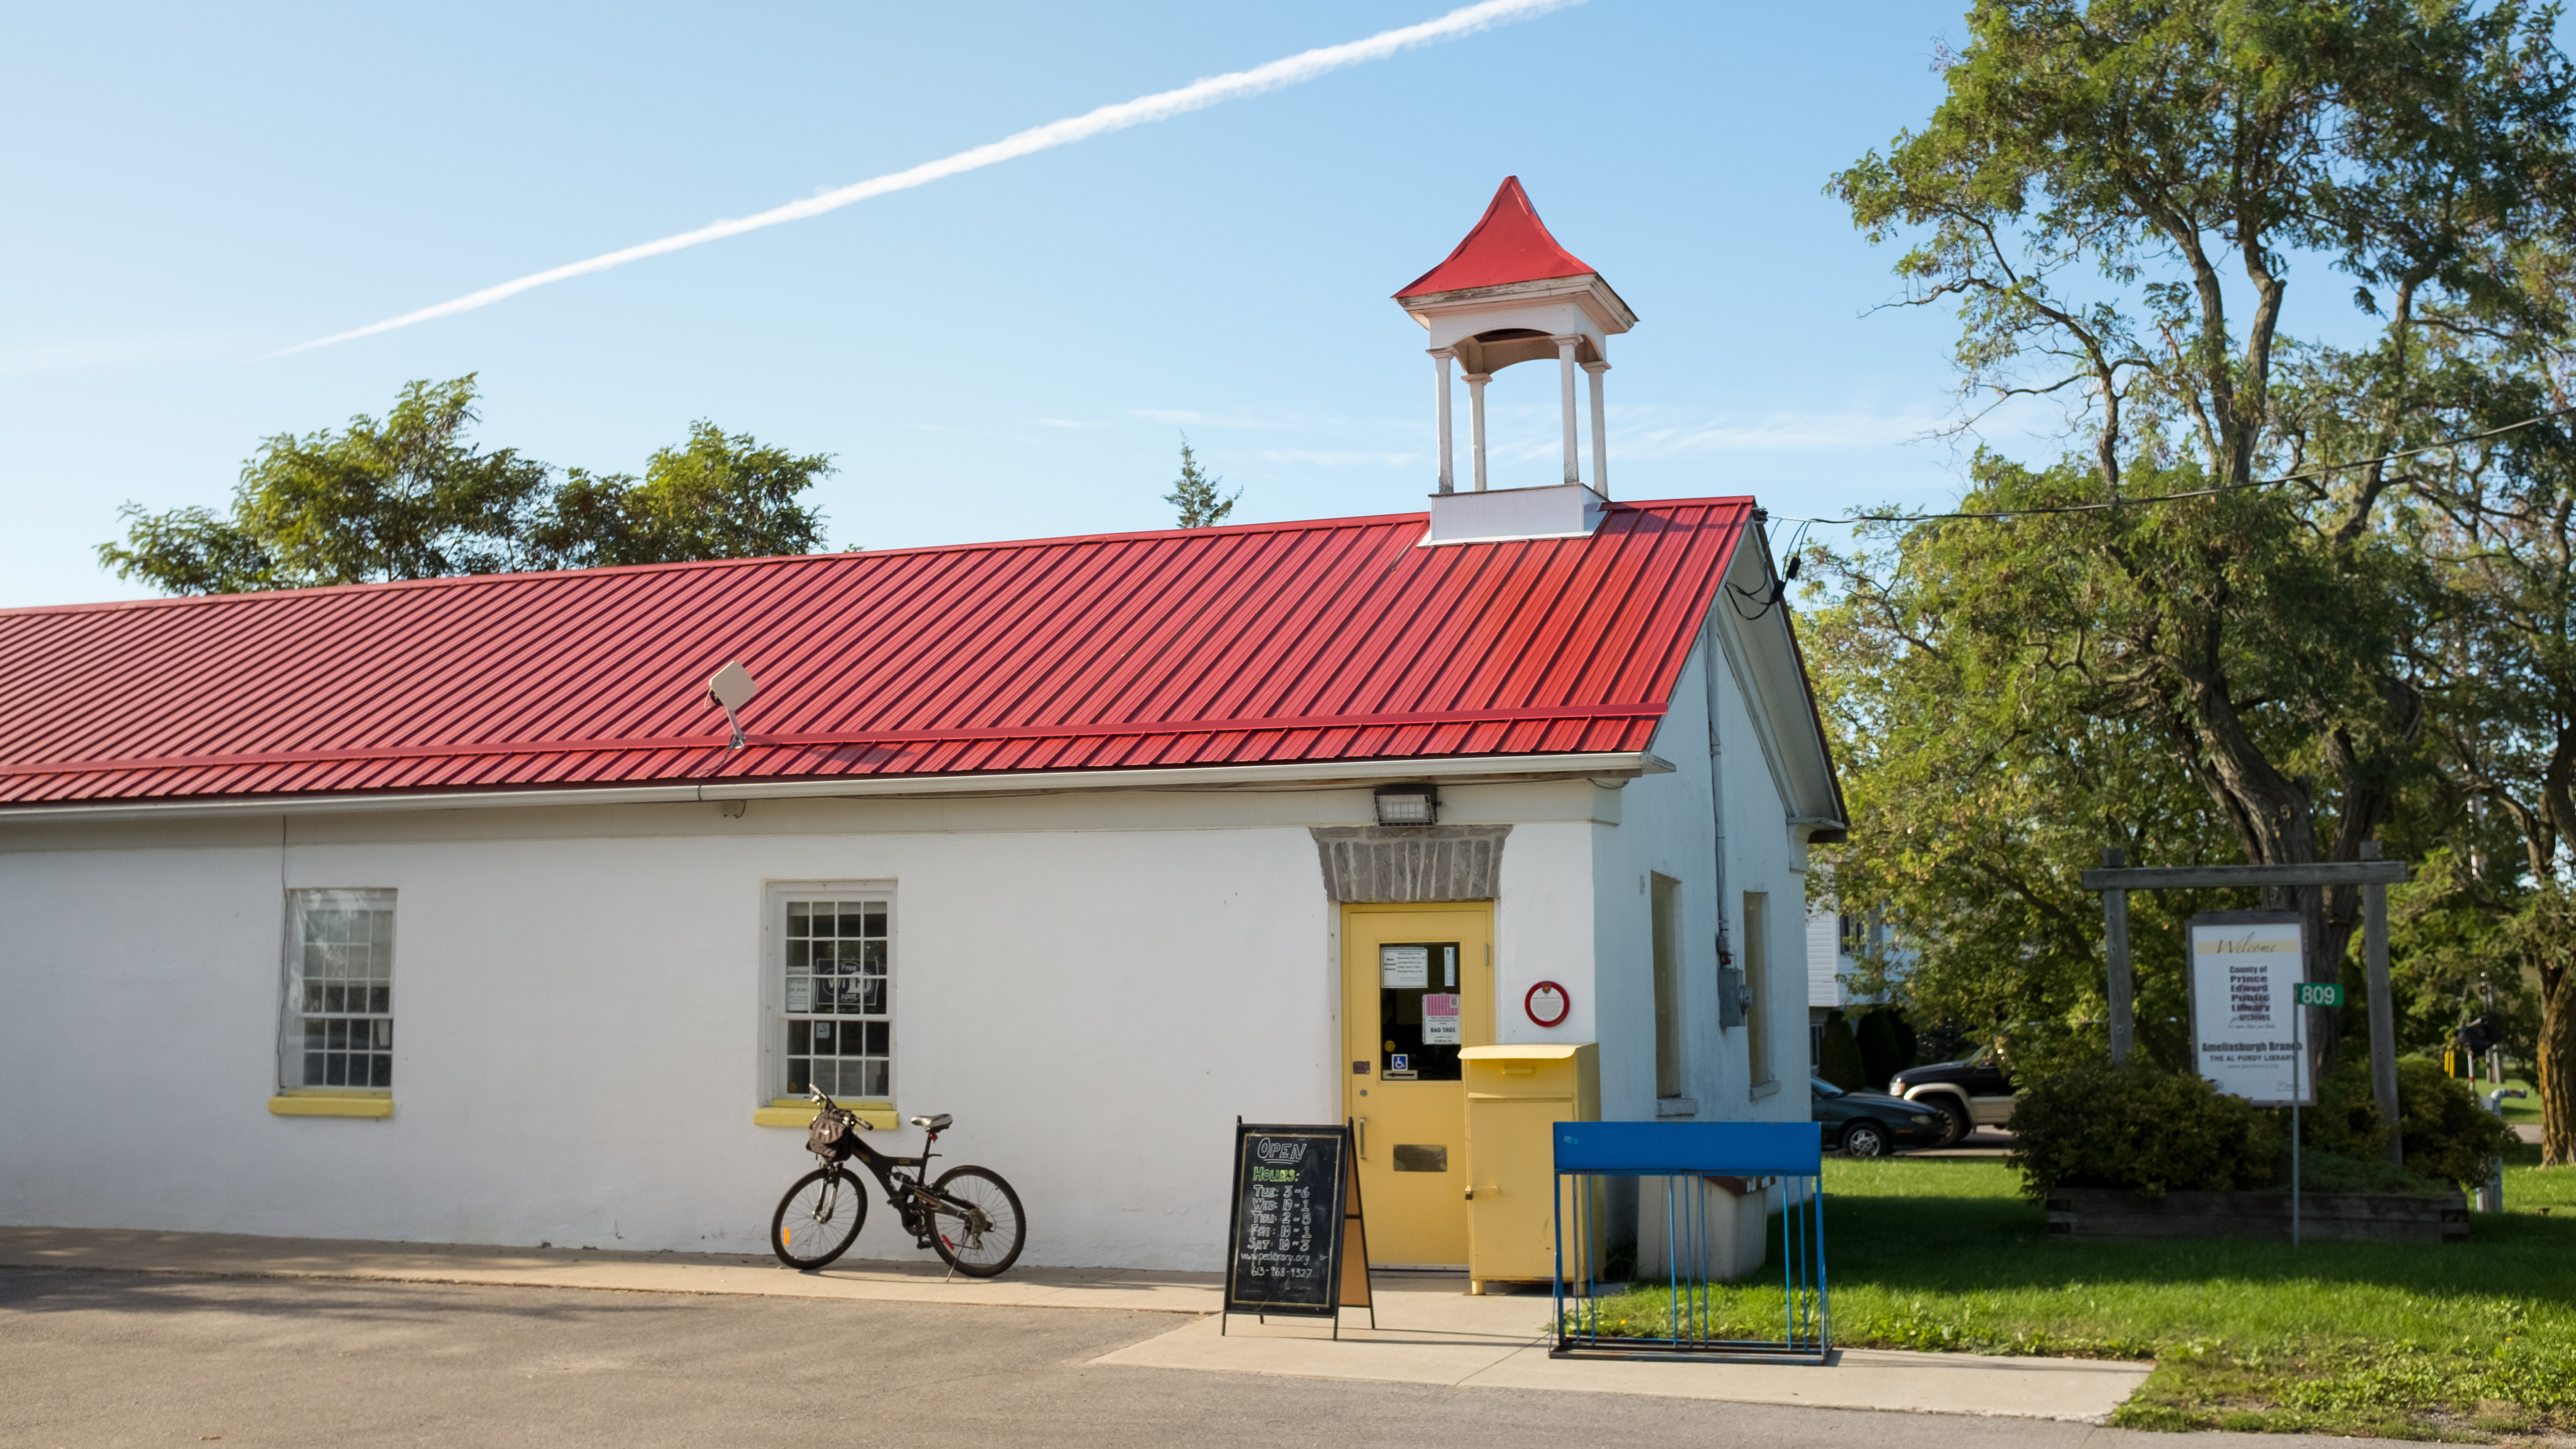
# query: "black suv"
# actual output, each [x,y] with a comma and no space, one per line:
[1969,1094]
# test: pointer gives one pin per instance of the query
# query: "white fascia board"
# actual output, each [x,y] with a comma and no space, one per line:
[1603,308]
[1772,682]
[1333,774]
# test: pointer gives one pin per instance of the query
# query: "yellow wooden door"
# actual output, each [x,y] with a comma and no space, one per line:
[1417,984]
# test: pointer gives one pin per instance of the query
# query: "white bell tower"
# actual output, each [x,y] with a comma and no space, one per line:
[1510,294]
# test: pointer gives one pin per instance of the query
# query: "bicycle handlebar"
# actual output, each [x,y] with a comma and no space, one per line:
[820,1100]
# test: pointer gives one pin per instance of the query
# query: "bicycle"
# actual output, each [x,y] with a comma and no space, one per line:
[969,1217]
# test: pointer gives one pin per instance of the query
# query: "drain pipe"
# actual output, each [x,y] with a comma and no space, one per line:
[1730,990]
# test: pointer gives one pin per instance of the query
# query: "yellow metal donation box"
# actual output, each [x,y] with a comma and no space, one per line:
[1515,1095]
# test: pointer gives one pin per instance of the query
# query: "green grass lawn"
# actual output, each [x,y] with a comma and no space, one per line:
[2455,1341]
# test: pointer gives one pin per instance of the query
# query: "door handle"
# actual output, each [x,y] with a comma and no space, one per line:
[1491,1188]
[1363,1126]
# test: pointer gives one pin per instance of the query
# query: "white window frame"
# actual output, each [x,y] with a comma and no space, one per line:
[1761,1056]
[1665,955]
[297,988]
[774,1015]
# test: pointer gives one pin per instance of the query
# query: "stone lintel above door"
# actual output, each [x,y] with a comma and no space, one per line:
[1386,864]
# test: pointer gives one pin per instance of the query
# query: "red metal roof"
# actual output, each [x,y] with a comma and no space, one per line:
[1509,245]
[1332,640]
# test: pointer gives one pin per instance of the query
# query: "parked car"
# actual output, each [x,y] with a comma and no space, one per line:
[1970,1094]
[1866,1124]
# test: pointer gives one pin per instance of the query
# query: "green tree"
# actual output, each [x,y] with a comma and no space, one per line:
[717,496]
[2115,196]
[2497,649]
[410,497]
[404,498]
[1982,781]
[1195,495]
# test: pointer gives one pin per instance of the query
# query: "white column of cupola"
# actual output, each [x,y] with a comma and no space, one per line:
[1600,437]
[1441,357]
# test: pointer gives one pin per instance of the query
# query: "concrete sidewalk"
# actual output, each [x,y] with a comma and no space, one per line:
[1430,1331]
[1452,1340]
[231,1256]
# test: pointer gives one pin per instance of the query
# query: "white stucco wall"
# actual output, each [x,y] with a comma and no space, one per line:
[1665,829]
[578,1029]
[1094,985]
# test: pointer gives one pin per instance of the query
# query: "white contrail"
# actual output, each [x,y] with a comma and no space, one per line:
[1296,68]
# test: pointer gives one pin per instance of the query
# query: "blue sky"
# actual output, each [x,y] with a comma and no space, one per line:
[1008,353]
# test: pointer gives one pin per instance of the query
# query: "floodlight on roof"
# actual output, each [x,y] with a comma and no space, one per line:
[730,690]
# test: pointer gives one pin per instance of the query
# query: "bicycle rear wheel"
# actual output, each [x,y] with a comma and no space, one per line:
[987,1239]
[818,1219]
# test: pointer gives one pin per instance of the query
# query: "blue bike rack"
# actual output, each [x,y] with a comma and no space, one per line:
[1791,1152]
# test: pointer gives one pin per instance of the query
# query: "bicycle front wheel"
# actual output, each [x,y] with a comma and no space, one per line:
[984,1237]
[818,1219]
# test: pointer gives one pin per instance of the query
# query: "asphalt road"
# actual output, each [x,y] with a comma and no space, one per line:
[89,1358]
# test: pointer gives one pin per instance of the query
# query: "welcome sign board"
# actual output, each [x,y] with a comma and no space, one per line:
[2248,1034]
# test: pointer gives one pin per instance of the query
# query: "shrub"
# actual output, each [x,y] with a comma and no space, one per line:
[1839,1061]
[2447,1136]
[2345,1121]
[2334,1172]
[2446,1133]
[1880,1055]
[2138,1126]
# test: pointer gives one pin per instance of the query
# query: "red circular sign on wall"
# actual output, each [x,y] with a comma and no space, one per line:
[1547,1004]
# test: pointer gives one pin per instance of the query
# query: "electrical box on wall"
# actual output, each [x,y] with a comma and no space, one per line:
[1730,996]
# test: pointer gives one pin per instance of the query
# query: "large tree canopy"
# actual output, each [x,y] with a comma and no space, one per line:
[408,497]
[2117,197]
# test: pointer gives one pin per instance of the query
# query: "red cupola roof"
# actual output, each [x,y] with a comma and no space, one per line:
[1510,245]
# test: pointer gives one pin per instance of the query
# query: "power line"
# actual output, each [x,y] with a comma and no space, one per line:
[2177,497]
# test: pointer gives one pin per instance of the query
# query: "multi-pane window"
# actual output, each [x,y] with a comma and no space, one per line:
[339,1029]
[839,1026]
[1757,984]
[1666,905]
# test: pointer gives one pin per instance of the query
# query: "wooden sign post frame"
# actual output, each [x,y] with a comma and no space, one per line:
[2115,880]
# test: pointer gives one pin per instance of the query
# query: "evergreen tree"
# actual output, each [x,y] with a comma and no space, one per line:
[1195,494]
[1881,1057]
[1839,1062]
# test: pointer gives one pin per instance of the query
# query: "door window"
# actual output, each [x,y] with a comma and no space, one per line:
[1418,1012]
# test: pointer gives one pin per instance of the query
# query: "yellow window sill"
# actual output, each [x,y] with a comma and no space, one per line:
[799,1112]
[321,1104]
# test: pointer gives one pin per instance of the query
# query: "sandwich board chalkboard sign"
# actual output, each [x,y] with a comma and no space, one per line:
[1289,1244]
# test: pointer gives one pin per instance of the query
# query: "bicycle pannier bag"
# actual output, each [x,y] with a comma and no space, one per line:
[829,1137]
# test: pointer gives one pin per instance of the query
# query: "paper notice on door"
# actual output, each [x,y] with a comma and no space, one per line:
[1439,1020]
[1400,967]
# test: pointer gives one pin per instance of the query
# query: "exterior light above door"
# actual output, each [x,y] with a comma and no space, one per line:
[1407,804]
